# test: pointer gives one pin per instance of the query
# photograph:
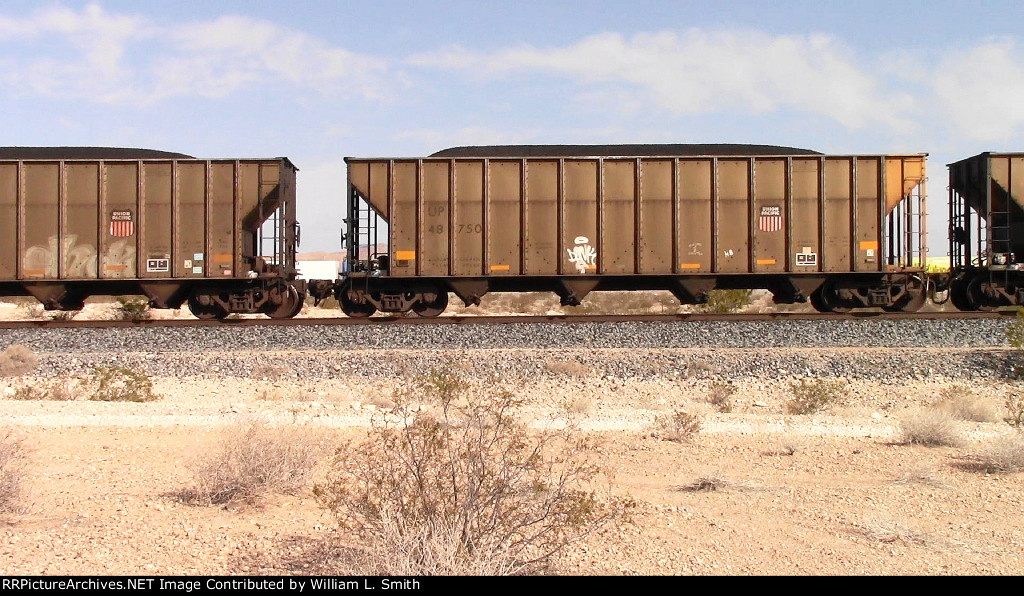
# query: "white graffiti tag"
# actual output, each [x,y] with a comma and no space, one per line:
[582,255]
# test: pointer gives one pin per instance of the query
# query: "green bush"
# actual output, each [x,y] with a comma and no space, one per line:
[119,383]
[132,308]
[725,301]
[812,395]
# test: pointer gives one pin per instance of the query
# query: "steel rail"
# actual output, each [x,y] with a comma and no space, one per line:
[506,319]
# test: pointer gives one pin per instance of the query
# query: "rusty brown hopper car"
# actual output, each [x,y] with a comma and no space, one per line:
[844,231]
[217,234]
[986,203]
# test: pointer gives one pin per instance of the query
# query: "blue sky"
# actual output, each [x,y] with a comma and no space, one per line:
[318,81]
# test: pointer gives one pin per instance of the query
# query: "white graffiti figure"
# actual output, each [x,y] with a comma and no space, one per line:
[582,255]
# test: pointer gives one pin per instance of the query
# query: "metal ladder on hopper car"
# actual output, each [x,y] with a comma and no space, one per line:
[906,231]
[365,233]
[999,239]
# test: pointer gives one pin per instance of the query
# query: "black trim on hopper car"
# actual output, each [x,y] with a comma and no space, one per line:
[632,150]
[29,153]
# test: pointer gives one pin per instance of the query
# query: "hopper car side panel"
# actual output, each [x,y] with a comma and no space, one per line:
[689,224]
[171,229]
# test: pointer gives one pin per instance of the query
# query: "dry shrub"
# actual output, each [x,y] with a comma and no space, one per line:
[680,427]
[812,395]
[253,461]
[962,404]
[720,397]
[884,529]
[789,443]
[52,390]
[1004,453]
[705,484]
[931,427]
[922,474]
[120,383]
[583,405]
[463,486]
[1015,411]
[569,368]
[12,471]
[17,360]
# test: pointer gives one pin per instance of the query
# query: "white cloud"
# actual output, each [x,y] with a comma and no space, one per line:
[980,91]
[707,71]
[117,59]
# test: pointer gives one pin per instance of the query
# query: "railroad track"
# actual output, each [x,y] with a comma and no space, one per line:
[505,319]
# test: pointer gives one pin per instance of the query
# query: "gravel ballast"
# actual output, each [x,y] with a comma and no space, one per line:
[868,349]
[628,335]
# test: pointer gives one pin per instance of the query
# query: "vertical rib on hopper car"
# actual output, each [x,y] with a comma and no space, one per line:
[844,231]
[219,234]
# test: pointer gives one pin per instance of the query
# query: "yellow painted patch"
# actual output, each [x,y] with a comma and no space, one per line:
[869,245]
[500,267]
[115,267]
[405,255]
[689,265]
[766,261]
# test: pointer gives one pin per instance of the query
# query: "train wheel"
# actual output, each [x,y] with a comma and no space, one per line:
[976,295]
[917,295]
[204,312]
[289,307]
[816,301]
[431,308]
[958,296]
[353,309]
[826,299]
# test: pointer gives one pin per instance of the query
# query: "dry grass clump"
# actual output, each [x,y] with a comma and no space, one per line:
[17,360]
[813,395]
[583,405]
[1004,453]
[705,484]
[789,443]
[921,474]
[887,530]
[931,427]
[962,404]
[463,487]
[569,368]
[12,471]
[720,396]
[680,426]
[253,461]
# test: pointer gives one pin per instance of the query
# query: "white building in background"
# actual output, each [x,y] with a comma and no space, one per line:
[318,269]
